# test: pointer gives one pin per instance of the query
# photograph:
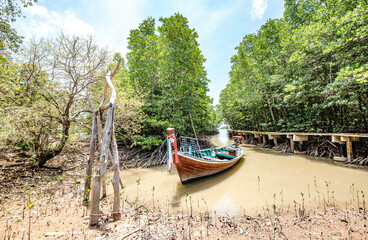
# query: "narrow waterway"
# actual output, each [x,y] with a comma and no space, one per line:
[263,181]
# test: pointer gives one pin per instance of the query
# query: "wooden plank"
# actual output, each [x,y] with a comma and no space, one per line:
[300,138]
[271,137]
[336,139]
[309,134]
[345,139]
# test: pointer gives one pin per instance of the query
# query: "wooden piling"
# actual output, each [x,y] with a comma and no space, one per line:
[349,146]
[300,137]
[292,144]
[274,138]
[95,200]
[116,179]
[105,140]
[87,184]
[349,149]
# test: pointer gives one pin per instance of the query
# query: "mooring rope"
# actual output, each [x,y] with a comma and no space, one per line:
[162,178]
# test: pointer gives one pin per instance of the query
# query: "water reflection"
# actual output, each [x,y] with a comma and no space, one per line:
[262,178]
[222,137]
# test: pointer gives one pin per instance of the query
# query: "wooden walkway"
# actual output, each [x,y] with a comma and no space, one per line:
[299,137]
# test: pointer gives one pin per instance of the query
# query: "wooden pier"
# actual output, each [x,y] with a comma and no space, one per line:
[299,137]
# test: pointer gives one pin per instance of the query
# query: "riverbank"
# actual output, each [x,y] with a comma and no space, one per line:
[58,213]
[53,198]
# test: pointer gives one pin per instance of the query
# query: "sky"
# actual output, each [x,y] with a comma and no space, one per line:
[221,25]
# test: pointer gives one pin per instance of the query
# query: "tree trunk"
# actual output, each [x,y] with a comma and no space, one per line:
[43,157]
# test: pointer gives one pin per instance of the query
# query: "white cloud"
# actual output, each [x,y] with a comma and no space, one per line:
[208,22]
[117,19]
[203,19]
[258,9]
[42,22]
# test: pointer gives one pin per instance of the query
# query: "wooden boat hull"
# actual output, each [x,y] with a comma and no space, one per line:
[190,168]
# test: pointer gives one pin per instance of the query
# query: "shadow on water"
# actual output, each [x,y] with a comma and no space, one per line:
[330,161]
[204,183]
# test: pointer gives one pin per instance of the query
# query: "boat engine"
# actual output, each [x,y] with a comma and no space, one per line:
[238,140]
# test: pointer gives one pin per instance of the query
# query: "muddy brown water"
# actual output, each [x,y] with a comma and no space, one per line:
[262,181]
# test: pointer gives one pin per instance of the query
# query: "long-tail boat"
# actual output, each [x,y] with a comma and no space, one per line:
[192,162]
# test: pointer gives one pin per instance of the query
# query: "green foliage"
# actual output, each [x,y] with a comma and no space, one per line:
[305,72]
[42,96]
[9,39]
[167,72]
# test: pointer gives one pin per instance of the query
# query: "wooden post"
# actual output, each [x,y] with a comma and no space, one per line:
[106,139]
[115,181]
[341,149]
[300,139]
[341,157]
[99,134]
[264,139]
[87,184]
[292,144]
[274,138]
[95,200]
[349,146]
[349,149]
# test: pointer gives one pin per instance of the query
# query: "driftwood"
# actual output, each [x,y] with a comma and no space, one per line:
[107,150]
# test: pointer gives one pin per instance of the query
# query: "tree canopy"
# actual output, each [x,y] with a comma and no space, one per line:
[304,72]
[167,71]
[43,94]
[9,38]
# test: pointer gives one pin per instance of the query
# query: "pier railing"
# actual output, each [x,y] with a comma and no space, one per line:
[300,137]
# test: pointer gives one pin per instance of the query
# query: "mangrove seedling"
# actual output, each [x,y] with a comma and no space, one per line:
[282,201]
[186,204]
[315,183]
[205,203]
[259,184]
[215,218]
[122,195]
[352,190]
[295,203]
[201,215]
[153,197]
[357,192]
[303,206]
[191,206]
[30,206]
[75,180]
[363,197]
[138,181]
[328,191]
